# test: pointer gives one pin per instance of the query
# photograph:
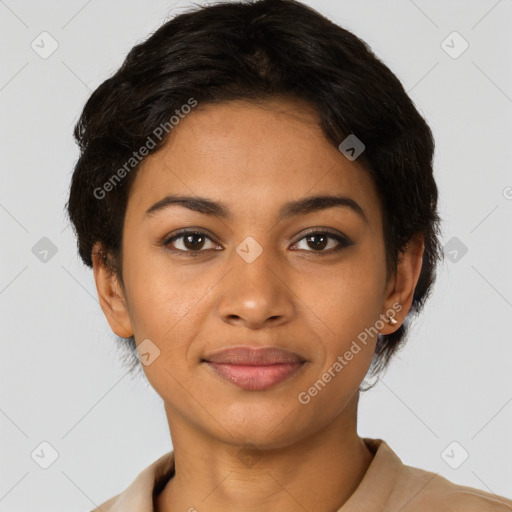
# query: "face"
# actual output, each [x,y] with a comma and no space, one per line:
[260,271]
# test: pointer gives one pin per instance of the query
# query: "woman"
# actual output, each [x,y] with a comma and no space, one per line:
[255,195]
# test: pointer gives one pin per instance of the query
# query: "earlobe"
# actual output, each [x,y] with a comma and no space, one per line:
[401,291]
[110,295]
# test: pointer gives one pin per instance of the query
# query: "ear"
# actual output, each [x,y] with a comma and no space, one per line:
[110,295]
[400,288]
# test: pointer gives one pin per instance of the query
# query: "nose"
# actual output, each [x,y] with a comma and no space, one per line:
[256,294]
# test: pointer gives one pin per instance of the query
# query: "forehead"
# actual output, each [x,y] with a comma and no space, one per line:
[248,155]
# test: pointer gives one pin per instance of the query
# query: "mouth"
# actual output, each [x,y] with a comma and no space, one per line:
[255,369]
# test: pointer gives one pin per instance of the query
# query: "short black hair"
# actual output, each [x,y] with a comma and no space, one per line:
[257,50]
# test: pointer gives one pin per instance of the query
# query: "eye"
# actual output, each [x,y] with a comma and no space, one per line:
[189,241]
[319,240]
[194,242]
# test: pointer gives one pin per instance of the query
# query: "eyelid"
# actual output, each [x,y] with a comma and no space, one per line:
[320,230]
[343,240]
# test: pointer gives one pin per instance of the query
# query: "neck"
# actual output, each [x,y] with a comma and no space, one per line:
[318,473]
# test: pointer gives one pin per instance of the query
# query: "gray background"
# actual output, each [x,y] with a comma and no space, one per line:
[61,378]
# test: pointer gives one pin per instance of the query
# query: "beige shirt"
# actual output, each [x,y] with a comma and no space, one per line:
[388,486]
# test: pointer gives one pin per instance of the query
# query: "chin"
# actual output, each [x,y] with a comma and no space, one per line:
[265,429]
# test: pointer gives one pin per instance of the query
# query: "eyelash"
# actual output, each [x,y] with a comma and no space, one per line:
[343,241]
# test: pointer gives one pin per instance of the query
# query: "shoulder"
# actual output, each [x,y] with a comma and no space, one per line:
[431,492]
[138,497]
[444,496]
[107,506]
[409,489]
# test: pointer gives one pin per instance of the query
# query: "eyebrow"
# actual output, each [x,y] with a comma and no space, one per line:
[293,208]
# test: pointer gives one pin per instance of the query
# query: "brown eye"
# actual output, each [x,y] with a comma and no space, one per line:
[189,241]
[318,241]
[193,241]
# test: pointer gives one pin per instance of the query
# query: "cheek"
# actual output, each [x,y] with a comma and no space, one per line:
[168,304]
[157,293]
[348,303]
[160,302]
[346,298]
[167,308]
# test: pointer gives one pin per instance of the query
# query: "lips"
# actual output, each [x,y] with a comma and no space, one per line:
[254,356]
[255,369]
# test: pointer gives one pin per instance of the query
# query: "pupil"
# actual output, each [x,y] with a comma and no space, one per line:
[320,245]
[191,245]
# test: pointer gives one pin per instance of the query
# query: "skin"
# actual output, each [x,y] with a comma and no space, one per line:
[254,158]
